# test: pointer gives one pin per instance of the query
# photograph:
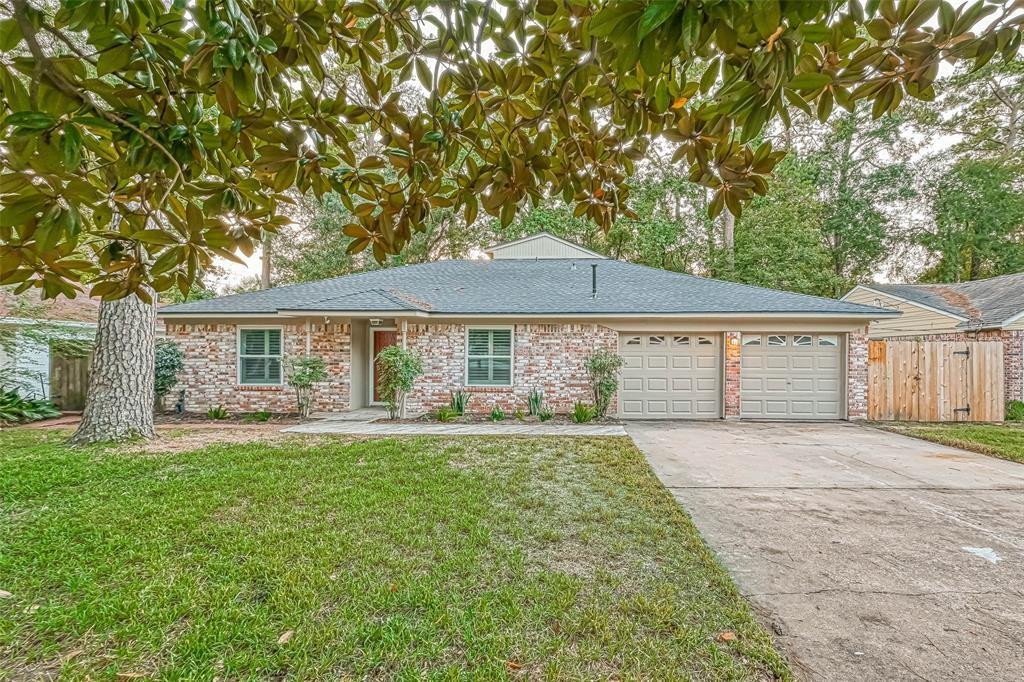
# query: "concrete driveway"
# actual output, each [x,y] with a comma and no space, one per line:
[871,555]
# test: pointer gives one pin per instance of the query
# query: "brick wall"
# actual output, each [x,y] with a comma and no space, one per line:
[548,357]
[732,374]
[210,375]
[857,375]
[1013,353]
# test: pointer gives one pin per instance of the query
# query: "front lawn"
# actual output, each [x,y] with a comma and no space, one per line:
[1005,441]
[483,558]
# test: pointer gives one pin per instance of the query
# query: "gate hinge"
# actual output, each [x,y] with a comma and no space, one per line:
[963,409]
[966,353]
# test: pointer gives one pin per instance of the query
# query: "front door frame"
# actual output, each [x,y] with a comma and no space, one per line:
[372,370]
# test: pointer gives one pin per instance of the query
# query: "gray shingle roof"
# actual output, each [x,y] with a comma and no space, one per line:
[523,287]
[984,302]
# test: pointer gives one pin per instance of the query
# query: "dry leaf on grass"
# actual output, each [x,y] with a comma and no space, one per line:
[285,636]
[726,636]
[4,594]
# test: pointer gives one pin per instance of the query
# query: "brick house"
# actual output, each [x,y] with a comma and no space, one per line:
[985,310]
[527,318]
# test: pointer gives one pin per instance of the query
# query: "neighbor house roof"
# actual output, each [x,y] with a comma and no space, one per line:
[30,305]
[518,288]
[982,303]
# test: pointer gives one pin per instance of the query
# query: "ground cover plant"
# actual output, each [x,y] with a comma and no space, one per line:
[1005,441]
[483,558]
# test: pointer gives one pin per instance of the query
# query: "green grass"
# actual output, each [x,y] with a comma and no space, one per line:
[1005,441]
[386,559]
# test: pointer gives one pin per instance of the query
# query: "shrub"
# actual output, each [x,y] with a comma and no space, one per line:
[303,374]
[603,371]
[497,414]
[535,402]
[261,416]
[460,399]
[446,414]
[169,361]
[1015,411]
[582,413]
[545,414]
[17,410]
[397,369]
[520,415]
[217,413]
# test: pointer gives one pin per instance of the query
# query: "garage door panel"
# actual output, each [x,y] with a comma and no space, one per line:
[682,362]
[632,362]
[670,376]
[795,379]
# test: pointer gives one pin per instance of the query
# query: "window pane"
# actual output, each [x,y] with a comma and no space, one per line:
[254,342]
[680,340]
[802,340]
[828,340]
[479,371]
[501,371]
[776,340]
[656,341]
[273,342]
[704,341]
[633,341]
[479,342]
[502,342]
[752,340]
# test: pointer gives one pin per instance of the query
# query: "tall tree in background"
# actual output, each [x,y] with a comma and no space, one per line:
[976,188]
[978,208]
[144,139]
[861,170]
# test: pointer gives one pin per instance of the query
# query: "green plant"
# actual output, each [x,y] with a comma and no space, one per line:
[520,415]
[545,414]
[582,413]
[17,410]
[460,399]
[446,414]
[1015,411]
[169,360]
[303,374]
[397,369]
[535,402]
[497,414]
[260,416]
[217,413]
[603,372]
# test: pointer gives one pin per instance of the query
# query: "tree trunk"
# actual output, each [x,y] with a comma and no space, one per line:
[119,404]
[265,258]
[729,239]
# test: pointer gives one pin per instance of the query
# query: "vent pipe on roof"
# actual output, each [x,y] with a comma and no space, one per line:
[593,279]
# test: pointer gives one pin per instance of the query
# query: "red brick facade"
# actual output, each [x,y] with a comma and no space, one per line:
[210,376]
[732,374]
[857,375]
[548,357]
[1013,353]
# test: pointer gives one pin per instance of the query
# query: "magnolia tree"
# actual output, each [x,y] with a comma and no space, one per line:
[142,139]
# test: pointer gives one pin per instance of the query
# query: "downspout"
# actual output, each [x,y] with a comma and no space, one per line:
[405,333]
[309,337]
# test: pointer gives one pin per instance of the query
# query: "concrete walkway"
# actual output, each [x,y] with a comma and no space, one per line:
[505,428]
[874,556]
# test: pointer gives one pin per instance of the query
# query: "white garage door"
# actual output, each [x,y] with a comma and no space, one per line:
[670,376]
[791,376]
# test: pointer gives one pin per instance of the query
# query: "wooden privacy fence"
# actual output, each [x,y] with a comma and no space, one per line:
[935,381]
[69,379]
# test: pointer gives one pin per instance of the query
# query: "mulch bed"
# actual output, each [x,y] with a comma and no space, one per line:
[485,418]
[280,419]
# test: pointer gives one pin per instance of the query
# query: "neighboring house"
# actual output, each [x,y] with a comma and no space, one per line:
[42,353]
[987,309]
[528,318]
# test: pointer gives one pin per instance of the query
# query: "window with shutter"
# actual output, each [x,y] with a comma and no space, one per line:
[259,357]
[489,357]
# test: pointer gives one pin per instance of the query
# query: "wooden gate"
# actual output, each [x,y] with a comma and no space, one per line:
[69,378]
[936,381]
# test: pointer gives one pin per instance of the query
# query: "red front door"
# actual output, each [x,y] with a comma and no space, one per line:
[381,340]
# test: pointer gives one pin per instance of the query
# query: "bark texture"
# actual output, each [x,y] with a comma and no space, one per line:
[119,404]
